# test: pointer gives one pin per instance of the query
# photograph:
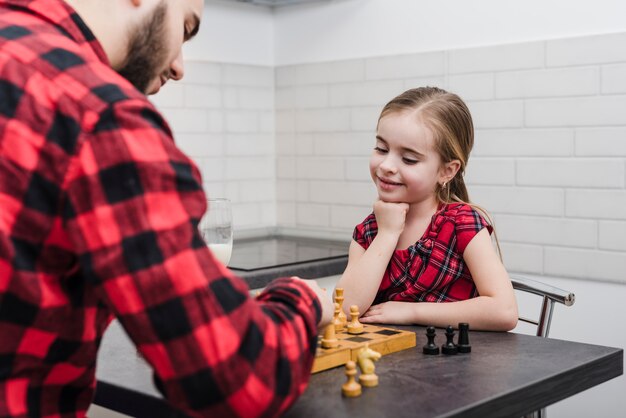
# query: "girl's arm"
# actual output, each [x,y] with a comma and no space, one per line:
[366,268]
[494,310]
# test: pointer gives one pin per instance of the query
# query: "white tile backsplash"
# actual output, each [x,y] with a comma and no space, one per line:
[202,96]
[612,235]
[290,145]
[523,143]
[495,171]
[596,204]
[598,265]
[548,83]
[323,120]
[330,72]
[540,201]
[369,93]
[576,111]
[572,172]
[497,114]
[522,258]
[480,86]
[614,79]
[601,142]
[598,49]
[405,66]
[548,231]
[497,58]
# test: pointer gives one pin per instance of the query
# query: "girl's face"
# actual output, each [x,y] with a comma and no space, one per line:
[404,164]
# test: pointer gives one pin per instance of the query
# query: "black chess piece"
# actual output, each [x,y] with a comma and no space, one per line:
[463,343]
[449,347]
[430,347]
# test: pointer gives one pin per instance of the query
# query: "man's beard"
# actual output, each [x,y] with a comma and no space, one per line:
[146,51]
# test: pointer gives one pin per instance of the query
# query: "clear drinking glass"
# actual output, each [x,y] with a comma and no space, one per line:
[216,228]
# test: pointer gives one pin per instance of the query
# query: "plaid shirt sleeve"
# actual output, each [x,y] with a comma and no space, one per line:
[131,209]
[468,222]
[365,232]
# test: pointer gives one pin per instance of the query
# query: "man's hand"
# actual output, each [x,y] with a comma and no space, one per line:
[328,307]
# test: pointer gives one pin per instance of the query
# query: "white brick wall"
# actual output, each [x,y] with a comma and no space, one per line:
[223,117]
[549,160]
[290,145]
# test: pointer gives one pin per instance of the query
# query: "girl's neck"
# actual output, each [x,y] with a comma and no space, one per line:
[417,220]
[422,210]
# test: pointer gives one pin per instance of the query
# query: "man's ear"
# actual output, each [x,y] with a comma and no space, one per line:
[449,170]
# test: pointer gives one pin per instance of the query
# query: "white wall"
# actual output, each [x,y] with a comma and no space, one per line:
[341,29]
[222,116]
[232,32]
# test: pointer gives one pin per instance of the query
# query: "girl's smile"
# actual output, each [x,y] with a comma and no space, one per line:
[388,185]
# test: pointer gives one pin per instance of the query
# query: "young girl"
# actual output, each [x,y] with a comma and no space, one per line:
[425,242]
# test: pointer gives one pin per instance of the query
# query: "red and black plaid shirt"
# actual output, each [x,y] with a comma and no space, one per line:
[98,219]
[432,269]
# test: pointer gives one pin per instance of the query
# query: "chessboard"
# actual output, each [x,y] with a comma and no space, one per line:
[382,339]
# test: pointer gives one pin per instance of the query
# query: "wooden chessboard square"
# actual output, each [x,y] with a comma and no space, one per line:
[358,339]
[381,339]
[387,332]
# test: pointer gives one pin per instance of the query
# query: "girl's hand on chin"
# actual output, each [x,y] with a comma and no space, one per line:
[390,216]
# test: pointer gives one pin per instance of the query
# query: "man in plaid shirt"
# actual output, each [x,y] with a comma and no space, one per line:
[98,219]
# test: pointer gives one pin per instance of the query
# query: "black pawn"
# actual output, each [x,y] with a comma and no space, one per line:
[430,347]
[464,345]
[449,347]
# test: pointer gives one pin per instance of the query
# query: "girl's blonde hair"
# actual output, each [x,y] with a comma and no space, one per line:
[450,121]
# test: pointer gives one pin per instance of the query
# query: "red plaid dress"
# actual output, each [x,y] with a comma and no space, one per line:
[98,219]
[432,269]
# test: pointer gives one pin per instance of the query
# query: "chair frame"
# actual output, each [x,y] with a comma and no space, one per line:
[550,295]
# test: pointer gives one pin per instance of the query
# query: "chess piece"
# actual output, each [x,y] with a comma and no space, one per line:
[430,347]
[463,343]
[339,299]
[330,338]
[351,388]
[336,320]
[449,347]
[365,360]
[355,327]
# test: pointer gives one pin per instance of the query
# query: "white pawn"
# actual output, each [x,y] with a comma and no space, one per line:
[351,388]
[337,320]
[355,327]
[330,339]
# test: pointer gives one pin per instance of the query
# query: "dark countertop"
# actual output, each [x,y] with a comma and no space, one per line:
[260,260]
[506,374]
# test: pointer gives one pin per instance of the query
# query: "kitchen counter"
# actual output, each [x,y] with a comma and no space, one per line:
[259,260]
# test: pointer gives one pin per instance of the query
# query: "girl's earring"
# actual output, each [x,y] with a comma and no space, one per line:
[447,191]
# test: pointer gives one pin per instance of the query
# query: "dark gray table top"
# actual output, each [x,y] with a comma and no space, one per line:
[506,374]
[262,259]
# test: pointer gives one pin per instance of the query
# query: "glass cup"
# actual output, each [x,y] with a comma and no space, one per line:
[216,228]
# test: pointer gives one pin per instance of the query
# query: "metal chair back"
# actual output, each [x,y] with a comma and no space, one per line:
[550,295]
